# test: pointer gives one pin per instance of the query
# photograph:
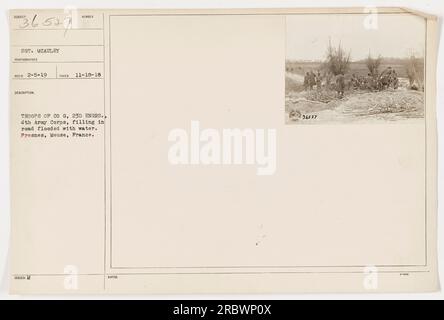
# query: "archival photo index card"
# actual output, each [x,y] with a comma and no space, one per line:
[223,151]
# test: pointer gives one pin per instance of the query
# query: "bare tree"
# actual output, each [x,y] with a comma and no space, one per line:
[415,72]
[373,64]
[338,60]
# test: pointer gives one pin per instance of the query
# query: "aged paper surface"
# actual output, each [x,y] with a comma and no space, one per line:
[223,151]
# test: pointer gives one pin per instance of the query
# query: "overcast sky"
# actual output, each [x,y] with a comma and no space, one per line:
[397,35]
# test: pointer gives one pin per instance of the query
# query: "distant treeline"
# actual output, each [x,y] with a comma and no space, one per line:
[356,67]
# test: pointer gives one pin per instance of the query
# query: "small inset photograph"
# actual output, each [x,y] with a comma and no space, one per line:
[354,68]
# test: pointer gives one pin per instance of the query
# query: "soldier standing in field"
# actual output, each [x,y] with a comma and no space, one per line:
[328,80]
[340,85]
[385,78]
[370,84]
[318,81]
[395,80]
[312,80]
[306,79]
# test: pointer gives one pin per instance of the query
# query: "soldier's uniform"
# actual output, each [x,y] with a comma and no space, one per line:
[340,85]
[318,81]
[306,81]
[395,80]
[312,80]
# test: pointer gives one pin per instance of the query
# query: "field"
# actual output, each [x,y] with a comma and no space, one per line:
[357,67]
[324,106]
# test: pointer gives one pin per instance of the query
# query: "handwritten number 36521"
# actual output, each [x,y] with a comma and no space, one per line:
[35,22]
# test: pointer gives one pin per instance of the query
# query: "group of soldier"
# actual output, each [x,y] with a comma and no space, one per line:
[388,78]
[312,79]
[374,82]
